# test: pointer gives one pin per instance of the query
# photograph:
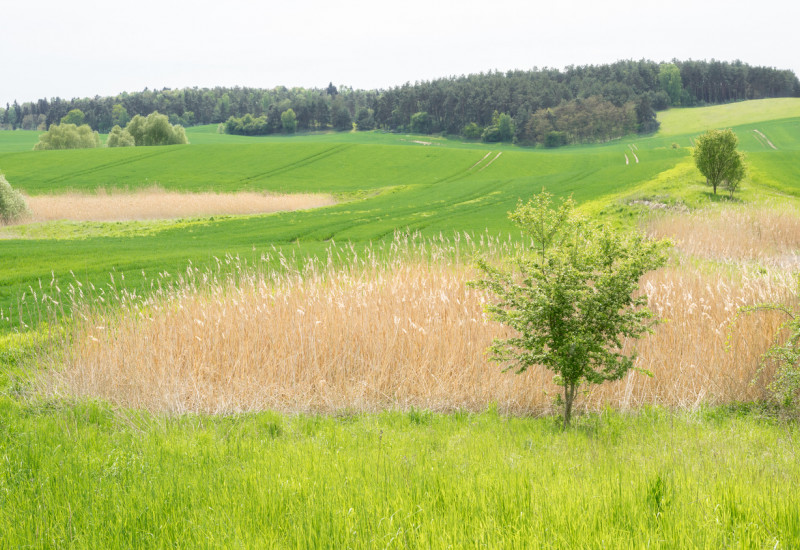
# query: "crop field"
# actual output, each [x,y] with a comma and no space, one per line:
[317,377]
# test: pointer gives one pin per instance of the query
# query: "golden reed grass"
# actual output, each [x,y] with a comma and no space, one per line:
[392,329]
[155,203]
[768,234]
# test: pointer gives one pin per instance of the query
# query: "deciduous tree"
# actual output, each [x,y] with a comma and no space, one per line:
[571,297]
[718,160]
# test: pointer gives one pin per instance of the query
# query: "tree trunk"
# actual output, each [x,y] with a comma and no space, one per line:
[569,397]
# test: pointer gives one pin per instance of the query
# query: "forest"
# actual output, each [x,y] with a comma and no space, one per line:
[577,104]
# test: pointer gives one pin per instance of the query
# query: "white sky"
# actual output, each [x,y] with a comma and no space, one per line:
[81,48]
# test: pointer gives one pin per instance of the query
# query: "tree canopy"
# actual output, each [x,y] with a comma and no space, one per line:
[718,160]
[452,103]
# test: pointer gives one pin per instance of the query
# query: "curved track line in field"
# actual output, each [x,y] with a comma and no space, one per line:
[766,139]
[634,156]
[114,164]
[627,162]
[305,161]
[480,161]
[491,161]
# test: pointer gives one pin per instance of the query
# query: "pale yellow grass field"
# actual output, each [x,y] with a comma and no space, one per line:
[405,333]
[155,203]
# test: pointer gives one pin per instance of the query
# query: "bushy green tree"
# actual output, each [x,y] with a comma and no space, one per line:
[340,116]
[570,297]
[75,116]
[669,78]
[12,204]
[471,131]
[119,137]
[421,123]
[501,129]
[68,136]
[718,160]
[365,119]
[119,115]
[155,129]
[289,121]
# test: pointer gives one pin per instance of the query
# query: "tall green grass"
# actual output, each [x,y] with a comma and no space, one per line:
[86,476]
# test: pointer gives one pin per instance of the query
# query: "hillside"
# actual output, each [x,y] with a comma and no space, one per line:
[387,182]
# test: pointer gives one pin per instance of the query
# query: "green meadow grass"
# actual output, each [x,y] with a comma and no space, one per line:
[17,140]
[85,476]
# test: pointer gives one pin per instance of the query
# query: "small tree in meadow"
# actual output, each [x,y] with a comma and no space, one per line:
[718,160]
[570,298]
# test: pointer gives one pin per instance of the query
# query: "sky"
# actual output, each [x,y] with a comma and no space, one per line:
[83,48]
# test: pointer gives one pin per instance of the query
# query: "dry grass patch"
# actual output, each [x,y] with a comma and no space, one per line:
[768,234]
[156,203]
[392,334]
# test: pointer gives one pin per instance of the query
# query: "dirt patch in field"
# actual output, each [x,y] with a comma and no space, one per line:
[156,203]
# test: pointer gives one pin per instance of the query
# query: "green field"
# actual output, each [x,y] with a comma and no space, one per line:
[387,181]
[89,475]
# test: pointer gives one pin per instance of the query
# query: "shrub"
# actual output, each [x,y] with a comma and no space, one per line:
[120,138]
[68,136]
[12,204]
[155,130]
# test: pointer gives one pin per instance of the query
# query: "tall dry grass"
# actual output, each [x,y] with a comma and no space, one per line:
[391,329]
[768,234]
[156,203]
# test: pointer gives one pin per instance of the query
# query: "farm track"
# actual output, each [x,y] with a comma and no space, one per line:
[311,159]
[461,174]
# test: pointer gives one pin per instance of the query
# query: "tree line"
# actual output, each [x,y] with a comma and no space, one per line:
[445,105]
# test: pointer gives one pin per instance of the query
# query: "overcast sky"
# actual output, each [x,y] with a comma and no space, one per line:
[83,48]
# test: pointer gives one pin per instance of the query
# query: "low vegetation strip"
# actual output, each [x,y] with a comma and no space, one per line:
[156,203]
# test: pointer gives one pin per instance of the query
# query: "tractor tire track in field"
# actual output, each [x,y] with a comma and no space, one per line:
[101,167]
[310,159]
[766,141]
[490,162]
[461,174]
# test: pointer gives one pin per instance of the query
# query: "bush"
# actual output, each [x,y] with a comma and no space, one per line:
[471,131]
[155,130]
[12,204]
[120,138]
[555,139]
[68,136]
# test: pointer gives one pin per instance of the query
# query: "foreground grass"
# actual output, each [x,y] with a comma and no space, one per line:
[85,476]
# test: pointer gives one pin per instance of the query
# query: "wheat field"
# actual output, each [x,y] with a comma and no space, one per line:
[397,329]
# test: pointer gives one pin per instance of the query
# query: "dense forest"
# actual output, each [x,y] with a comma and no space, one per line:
[550,106]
